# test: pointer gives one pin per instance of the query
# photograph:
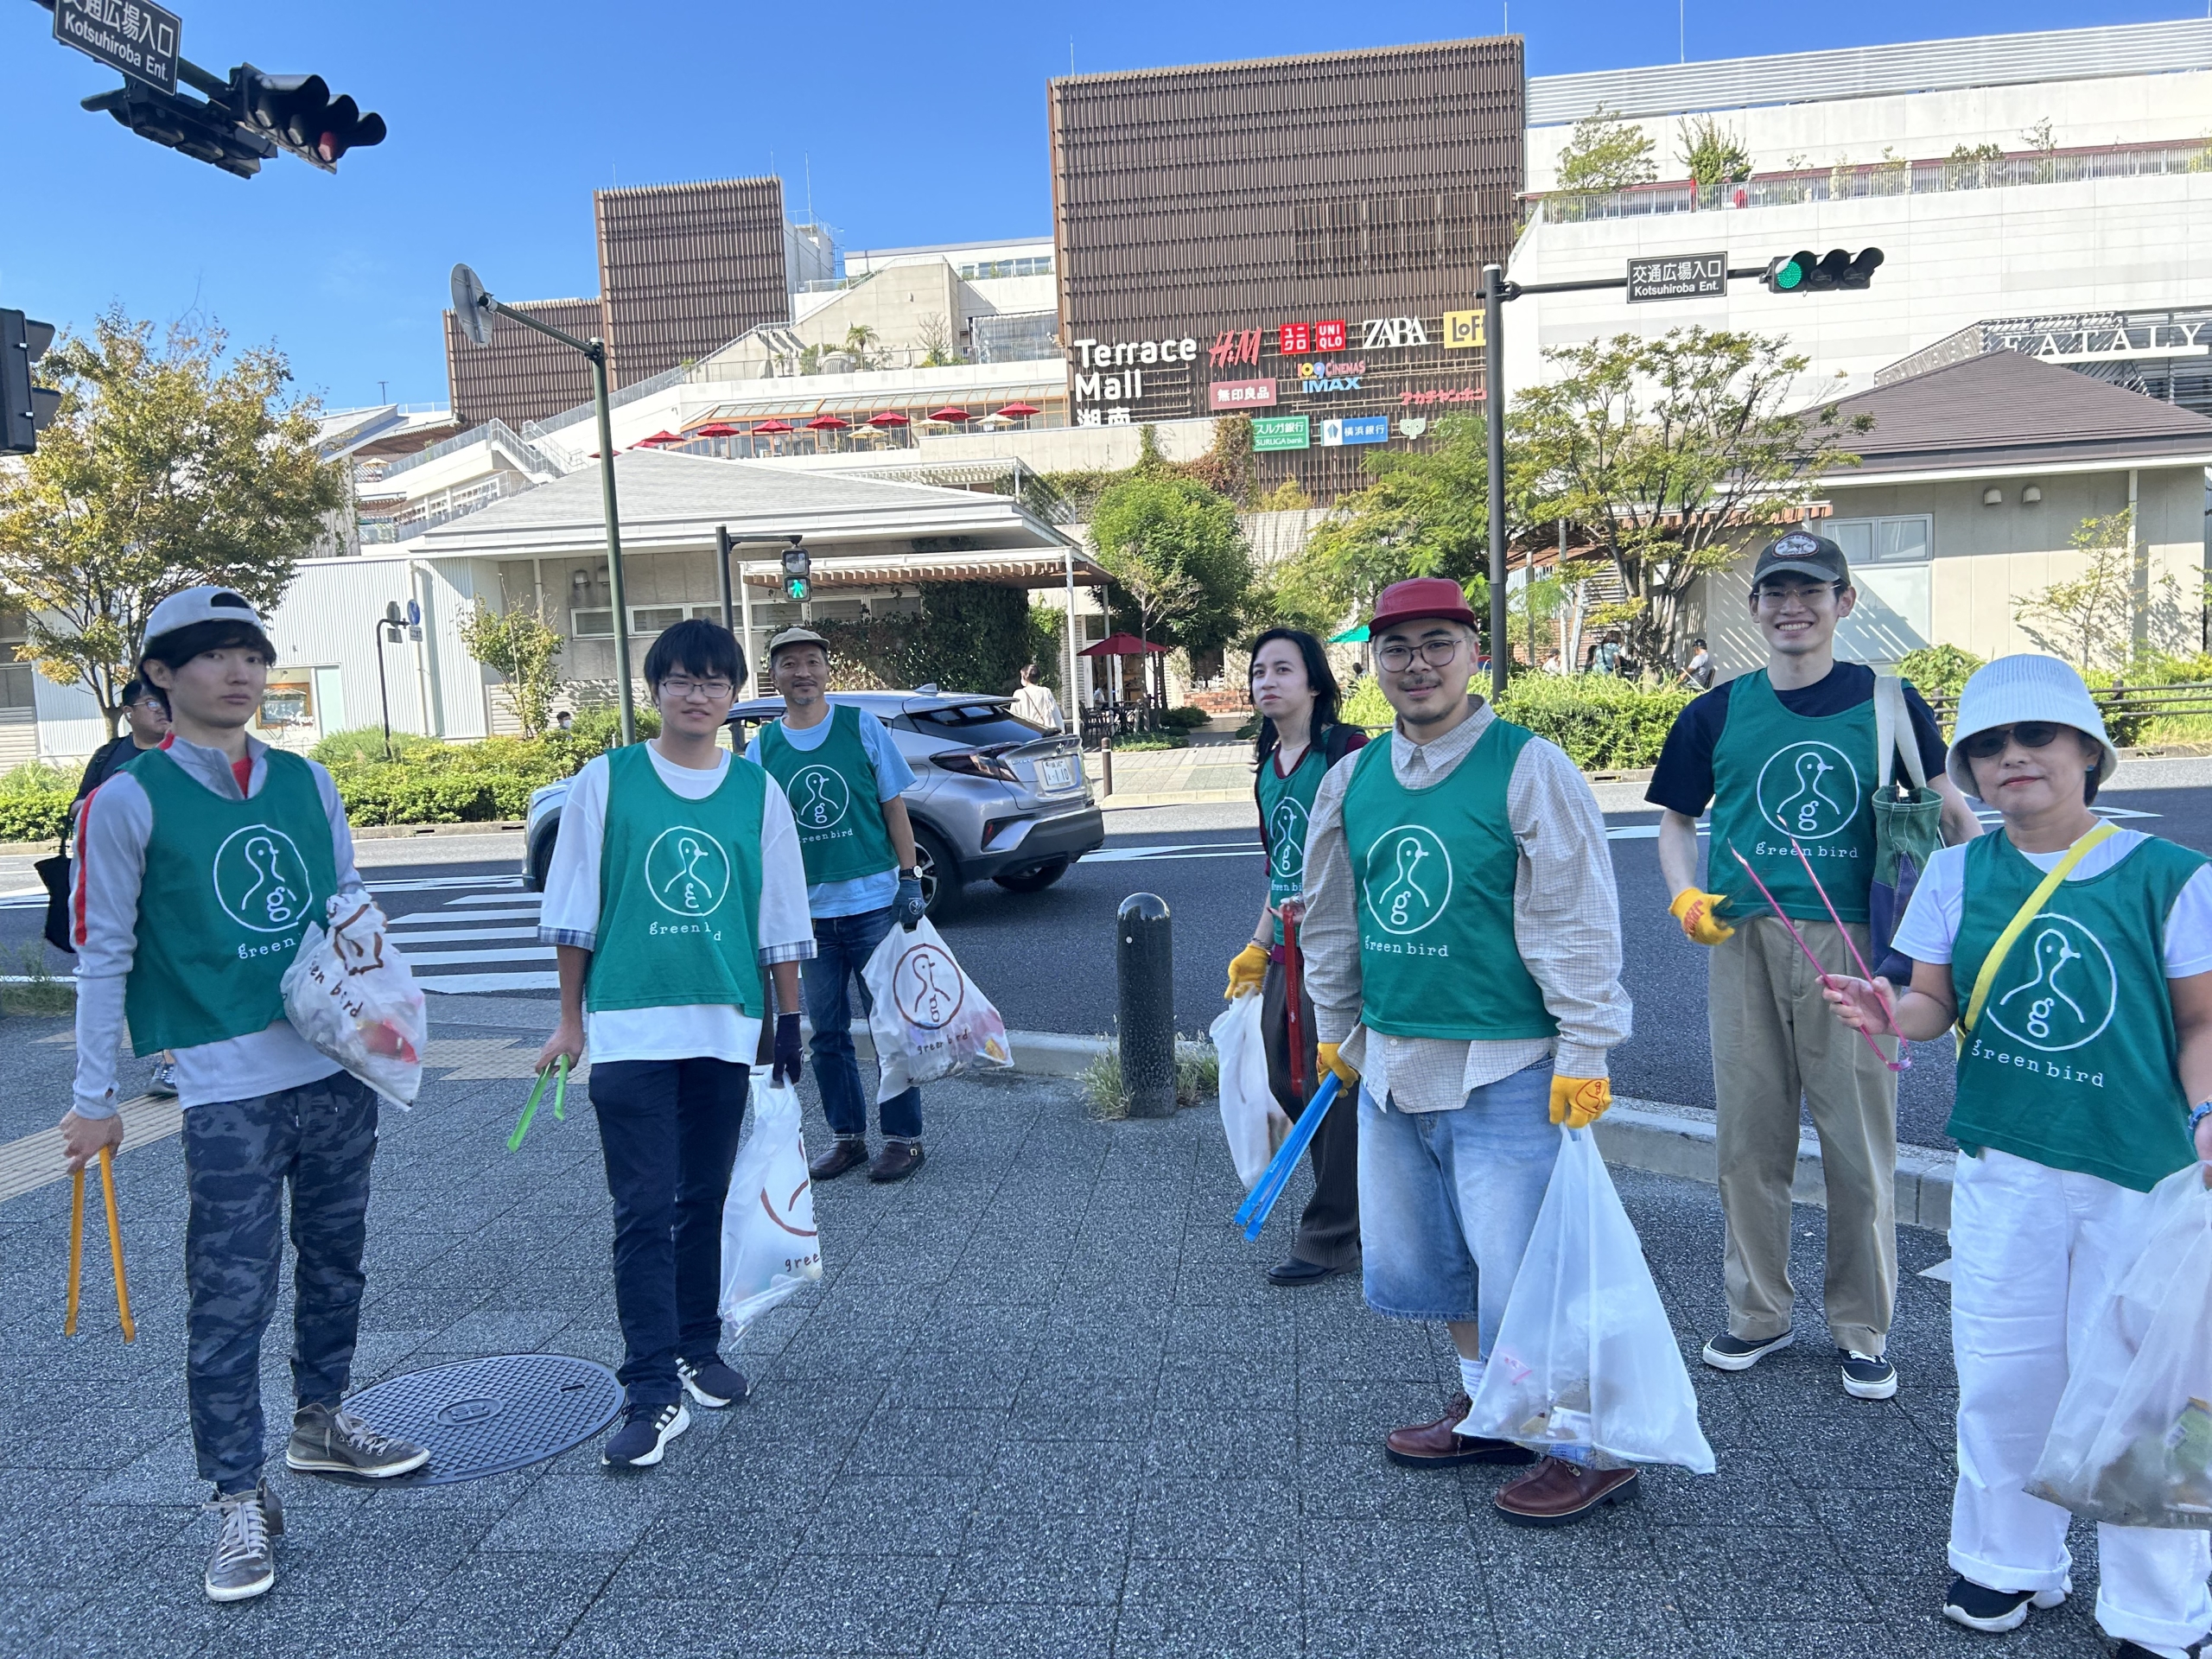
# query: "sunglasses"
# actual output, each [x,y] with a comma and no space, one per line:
[2028,735]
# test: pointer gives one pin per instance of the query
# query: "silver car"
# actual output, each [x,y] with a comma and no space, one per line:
[993,798]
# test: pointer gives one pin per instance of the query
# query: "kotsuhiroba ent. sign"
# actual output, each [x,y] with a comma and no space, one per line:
[139,39]
[1678,277]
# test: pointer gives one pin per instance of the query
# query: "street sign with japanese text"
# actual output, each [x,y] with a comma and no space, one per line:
[140,39]
[1358,429]
[1678,277]
[1282,432]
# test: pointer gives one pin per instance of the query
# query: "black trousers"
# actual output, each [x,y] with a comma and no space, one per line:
[1328,1231]
[669,1129]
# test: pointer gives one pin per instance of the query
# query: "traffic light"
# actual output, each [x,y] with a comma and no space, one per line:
[298,114]
[797,569]
[205,132]
[1804,272]
[25,409]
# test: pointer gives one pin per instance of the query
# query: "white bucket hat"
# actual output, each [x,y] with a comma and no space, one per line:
[2026,687]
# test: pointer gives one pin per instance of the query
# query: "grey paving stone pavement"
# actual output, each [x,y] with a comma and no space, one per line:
[1043,1403]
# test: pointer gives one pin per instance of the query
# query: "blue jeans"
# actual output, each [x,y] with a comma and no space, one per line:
[1448,1200]
[842,945]
[669,1130]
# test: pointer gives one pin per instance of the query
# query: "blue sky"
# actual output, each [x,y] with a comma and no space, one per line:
[917,124]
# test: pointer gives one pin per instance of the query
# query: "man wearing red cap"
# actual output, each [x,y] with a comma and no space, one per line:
[1462,942]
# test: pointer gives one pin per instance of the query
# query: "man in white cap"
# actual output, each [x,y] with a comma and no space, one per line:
[2075,959]
[199,866]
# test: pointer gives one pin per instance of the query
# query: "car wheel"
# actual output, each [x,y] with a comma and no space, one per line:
[1034,880]
[939,871]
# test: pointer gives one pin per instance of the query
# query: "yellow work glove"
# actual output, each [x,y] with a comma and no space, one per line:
[1247,970]
[1342,1069]
[1696,912]
[1580,1101]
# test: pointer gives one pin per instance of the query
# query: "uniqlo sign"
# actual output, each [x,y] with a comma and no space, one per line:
[1303,339]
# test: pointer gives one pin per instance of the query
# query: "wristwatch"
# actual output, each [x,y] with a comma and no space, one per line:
[2198,1113]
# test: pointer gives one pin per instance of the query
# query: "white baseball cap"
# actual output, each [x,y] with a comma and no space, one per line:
[2026,687]
[197,605]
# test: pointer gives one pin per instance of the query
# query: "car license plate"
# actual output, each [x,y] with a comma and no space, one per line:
[1056,774]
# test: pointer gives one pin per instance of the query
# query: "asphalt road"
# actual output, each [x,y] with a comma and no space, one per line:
[1048,958]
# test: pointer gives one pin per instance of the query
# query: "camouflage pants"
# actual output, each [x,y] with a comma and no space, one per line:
[239,1156]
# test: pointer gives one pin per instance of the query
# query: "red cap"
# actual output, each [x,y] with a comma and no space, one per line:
[1418,599]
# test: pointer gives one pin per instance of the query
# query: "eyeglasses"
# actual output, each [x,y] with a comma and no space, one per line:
[1437,653]
[1770,598]
[712,691]
[2028,735]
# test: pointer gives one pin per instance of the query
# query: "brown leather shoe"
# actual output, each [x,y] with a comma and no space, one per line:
[1559,1493]
[897,1159]
[1441,1446]
[843,1155]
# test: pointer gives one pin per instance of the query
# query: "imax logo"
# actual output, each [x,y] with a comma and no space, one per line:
[1392,331]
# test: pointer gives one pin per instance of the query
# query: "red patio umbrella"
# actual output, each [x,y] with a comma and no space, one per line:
[715,429]
[950,416]
[659,437]
[827,423]
[1020,412]
[1121,645]
[772,426]
[888,417]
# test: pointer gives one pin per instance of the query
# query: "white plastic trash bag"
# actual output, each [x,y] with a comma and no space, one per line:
[1255,1123]
[349,993]
[928,1017]
[769,1246]
[2132,1444]
[1585,1365]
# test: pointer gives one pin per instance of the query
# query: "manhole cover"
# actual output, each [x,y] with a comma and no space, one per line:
[486,1416]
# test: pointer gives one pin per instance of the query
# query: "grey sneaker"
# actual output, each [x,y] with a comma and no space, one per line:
[326,1441]
[244,1564]
[163,1083]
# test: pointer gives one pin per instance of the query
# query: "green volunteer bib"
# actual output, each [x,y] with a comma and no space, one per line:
[2074,1062]
[679,891]
[833,796]
[1777,775]
[1284,804]
[1434,869]
[229,886]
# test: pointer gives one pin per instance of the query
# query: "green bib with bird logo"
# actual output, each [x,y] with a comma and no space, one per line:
[1780,778]
[1285,804]
[832,787]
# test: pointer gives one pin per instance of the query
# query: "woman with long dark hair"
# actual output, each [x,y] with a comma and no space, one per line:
[1299,739]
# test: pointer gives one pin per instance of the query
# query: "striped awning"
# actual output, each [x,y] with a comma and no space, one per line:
[1010,569]
[797,408]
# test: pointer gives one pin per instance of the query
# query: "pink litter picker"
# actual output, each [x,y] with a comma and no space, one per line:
[1903,1061]
[1898,1064]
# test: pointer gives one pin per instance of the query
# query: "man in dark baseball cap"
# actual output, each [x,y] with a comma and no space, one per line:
[1789,756]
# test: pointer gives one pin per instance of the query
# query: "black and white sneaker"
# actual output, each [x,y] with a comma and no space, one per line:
[1979,1608]
[644,1434]
[1730,1353]
[711,1384]
[1867,1377]
[243,1564]
[327,1440]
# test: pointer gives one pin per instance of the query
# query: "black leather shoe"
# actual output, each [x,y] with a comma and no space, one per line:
[897,1159]
[1297,1271]
[842,1156]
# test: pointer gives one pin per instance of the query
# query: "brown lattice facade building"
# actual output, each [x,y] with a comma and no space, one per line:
[1300,238]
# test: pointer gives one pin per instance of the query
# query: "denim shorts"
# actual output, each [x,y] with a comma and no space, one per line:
[1448,1200]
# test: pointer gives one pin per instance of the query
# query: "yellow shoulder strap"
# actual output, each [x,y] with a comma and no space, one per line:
[2036,900]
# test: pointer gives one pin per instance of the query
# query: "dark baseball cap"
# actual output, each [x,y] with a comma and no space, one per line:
[1801,553]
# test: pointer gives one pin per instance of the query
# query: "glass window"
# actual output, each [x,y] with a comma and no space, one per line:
[593,624]
[980,724]
[655,620]
[1901,538]
[17,689]
[1856,538]
[1907,538]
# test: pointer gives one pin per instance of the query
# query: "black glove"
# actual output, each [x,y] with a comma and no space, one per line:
[909,906]
[788,1061]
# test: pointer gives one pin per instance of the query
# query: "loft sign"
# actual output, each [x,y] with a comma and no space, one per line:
[1678,277]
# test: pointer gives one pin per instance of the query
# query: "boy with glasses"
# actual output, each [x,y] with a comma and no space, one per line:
[1786,757]
[676,881]
[1462,939]
[844,779]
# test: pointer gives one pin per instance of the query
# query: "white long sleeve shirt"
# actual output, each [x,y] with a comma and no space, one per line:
[1567,927]
[717,1031]
[115,824]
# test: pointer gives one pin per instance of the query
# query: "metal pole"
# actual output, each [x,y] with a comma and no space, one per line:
[745,616]
[598,354]
[383,693]
[722,573]
[1494,415]
[1072,701]
[1145,971]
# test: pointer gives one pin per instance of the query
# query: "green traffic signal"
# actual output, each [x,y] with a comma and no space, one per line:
[796,587]
[1786,276]
[1804,272]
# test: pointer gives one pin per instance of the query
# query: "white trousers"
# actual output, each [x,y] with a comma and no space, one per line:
[2031,1250]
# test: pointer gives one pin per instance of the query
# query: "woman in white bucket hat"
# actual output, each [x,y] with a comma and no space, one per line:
[2083,1078]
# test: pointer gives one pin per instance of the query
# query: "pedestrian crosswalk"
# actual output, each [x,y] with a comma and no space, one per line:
[475,934]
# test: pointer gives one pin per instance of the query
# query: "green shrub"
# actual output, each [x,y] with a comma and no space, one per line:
[40,778]
[1185,719]
[35,816]
[1368,707]
[1938,671]
[1604,724]
[367,743]
[1145,743]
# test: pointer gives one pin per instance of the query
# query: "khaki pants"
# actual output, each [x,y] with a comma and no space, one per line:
[1774,1039]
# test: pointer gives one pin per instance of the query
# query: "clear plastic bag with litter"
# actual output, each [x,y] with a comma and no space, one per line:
[349,993]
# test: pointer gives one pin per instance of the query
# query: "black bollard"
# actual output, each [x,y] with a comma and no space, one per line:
[1145,967]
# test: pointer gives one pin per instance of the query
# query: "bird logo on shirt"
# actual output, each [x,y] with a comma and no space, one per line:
[819,799]
[1809,791]
[2057,988]
[928,987]
[1407,878]
[687,871]
[261,880]
[1286,840]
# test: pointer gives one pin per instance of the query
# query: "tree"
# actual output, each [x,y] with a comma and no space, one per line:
[2090,620]
[935,335]
[1671,455]
[1607,153]
[861,342]
[1177,555]
[1713,154]
[166,468]
[520,645]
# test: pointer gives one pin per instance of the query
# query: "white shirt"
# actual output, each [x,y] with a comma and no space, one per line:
[1931,922]
[1037,705]
[718,1031]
